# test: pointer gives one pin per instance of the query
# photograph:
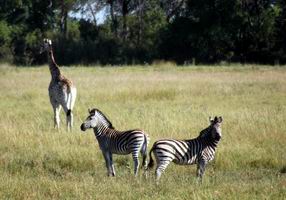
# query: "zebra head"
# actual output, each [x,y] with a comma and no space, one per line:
[46,46]
[95,117]
[214,129]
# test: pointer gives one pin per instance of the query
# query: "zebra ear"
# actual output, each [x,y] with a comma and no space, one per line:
[89,111]
[210,119]
[220,119]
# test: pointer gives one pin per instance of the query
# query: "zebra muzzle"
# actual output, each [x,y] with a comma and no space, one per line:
[82,127]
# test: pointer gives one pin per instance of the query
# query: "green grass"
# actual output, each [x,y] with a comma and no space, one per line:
[37,162]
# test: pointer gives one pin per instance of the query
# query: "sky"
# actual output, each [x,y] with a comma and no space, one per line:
[100,16]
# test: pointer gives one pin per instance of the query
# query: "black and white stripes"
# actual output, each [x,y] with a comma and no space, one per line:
[112,141]
[198,151]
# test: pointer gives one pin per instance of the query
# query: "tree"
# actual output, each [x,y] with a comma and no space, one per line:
[172,8]
[114,26]
[280,37]
[64,7]
[5,39]
[138,31]
[257,30]
[204,30]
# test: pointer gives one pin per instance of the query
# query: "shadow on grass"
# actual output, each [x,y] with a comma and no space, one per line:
[51,164]
[283,170]
[263,163]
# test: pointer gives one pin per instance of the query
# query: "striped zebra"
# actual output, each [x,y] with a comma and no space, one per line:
[112,141]
[200,150]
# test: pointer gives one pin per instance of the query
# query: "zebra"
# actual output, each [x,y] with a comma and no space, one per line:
[200,150]
[112,141]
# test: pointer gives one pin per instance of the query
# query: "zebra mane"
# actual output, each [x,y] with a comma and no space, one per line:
[205,132]
[103,117]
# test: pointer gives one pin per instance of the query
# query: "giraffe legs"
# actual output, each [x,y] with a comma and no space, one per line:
[70,100]
[69,120]
[57,109]
[69,117]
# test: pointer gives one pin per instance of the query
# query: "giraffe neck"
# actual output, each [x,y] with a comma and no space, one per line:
[54,69]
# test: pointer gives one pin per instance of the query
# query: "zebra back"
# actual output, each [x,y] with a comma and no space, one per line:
[120,142]
[189,151]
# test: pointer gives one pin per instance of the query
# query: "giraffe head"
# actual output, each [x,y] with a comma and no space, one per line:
[46,46]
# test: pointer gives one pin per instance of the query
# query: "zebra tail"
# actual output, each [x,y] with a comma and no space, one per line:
[151,162]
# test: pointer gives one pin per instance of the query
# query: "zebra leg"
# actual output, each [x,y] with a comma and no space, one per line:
[160,169]
[144,162]
[112,166]
[136,162]
[107,163]
[201,169]
[144,154]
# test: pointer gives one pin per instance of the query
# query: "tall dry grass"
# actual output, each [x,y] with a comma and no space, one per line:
[37,162]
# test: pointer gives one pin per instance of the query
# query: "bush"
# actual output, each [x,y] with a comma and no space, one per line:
[5,38]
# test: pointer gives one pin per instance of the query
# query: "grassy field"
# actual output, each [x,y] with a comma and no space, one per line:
[37,162]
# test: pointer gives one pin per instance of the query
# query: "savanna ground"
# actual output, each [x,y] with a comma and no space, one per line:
[37,162]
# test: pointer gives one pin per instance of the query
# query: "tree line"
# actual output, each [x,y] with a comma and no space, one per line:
[143,31]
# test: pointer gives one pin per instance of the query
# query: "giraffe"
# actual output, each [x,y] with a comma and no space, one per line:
[62,91]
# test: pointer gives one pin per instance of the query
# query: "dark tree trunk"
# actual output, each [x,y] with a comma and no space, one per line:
[63,20]
[124,18]
[124,13]
[140,19]
[114,25]
[92,13]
